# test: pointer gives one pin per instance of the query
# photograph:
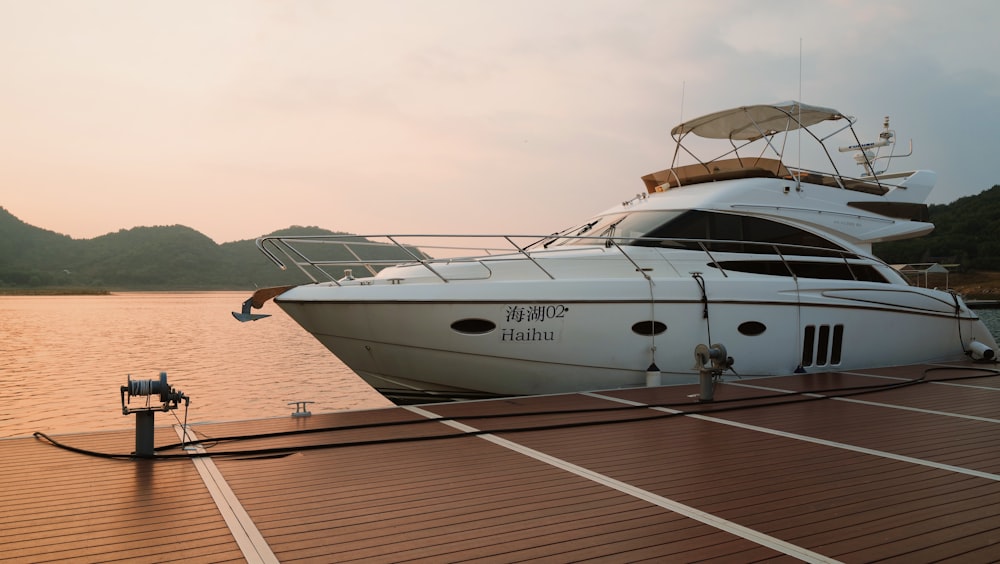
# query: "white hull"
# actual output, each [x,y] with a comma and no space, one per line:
[405,348]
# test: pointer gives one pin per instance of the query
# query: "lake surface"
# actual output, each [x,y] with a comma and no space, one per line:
[63,360]
[991,317]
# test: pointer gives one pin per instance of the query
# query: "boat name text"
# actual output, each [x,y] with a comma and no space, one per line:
[530,334]
[530,323]
[534,313]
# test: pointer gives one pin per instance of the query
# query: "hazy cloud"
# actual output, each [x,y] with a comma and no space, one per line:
[239,117]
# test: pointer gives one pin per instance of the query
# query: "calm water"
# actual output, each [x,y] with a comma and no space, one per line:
[991,317]
[63,360]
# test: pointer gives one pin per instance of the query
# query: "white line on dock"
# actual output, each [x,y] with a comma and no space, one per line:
[244,530]
[666,503]
[871,403]
[815,440]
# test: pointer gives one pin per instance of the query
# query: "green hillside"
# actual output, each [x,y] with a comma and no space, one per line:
[966,232]
[144,258]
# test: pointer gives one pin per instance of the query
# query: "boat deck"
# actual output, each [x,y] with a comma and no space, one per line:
[898,464]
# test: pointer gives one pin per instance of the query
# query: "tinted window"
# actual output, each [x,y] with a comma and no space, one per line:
[737,233]
[693,228]
[804,269]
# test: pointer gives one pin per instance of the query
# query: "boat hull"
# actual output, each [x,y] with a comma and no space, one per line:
[431,350]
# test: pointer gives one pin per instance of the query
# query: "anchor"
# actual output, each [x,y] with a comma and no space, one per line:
[257,301]
[244,315]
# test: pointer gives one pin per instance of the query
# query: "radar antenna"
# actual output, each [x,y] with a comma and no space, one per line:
[866,154]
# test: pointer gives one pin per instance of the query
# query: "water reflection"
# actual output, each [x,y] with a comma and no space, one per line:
[63,360]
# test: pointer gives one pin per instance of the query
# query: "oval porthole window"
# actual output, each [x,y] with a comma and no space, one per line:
[473,326]
[649,328]
[752,328]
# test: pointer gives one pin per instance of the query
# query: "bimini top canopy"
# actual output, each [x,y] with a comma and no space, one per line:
[749,123]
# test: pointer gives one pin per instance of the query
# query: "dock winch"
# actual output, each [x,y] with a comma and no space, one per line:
[710,362]
[144,416]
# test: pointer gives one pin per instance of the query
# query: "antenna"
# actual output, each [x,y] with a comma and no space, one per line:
[683,85]
[798,165]
[677,146]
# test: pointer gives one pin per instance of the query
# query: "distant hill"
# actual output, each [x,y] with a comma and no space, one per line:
[171,257]
[966,232]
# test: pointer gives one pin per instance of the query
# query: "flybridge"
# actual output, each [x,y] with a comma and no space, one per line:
[757,140]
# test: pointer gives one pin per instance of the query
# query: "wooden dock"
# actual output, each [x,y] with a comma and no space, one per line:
[898,464]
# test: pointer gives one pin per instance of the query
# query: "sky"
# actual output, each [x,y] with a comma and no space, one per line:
[240,117]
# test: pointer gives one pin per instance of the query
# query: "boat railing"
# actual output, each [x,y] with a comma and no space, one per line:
[868,185]
[333,258]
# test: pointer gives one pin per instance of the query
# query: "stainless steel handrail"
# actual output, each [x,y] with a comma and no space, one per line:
[275,247]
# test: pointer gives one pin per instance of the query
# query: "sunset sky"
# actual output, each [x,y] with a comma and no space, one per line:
[240,117]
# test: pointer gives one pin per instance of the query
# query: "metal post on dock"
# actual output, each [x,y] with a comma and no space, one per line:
[706,385]
[144,433]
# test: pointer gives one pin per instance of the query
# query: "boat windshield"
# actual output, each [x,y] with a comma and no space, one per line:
[693,229]
[623,227]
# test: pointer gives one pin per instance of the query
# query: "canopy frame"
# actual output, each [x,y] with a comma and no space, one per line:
[746,125]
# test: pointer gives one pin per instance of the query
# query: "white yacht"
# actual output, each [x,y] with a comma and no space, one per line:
[765,264]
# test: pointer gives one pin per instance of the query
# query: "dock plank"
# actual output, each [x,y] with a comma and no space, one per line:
[62,506]
[870,471]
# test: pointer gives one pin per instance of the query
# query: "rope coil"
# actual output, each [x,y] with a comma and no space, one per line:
[151,388]
[143,387]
